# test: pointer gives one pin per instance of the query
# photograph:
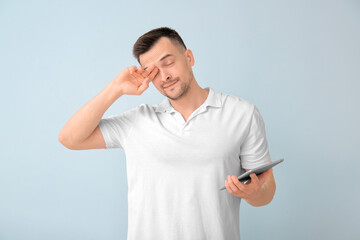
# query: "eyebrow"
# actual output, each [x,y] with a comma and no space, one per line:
[162,59]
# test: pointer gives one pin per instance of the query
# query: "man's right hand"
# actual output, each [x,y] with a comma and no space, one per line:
[134,81]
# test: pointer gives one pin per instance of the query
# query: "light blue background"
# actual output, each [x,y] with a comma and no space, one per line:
[297,61]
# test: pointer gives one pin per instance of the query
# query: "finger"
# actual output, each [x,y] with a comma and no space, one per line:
[247,182]
[144,70]
[137,76]
[143,87]
[132,69]
[231,184]
[237,183]
[254,178]
[153,74]
[269,171]
[227,186]
[140,70]
[265,175]
[148,70]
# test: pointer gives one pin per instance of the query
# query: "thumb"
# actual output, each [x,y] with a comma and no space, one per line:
[254,178]
[267,172]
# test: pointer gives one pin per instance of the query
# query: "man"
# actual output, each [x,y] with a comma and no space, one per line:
[181,151]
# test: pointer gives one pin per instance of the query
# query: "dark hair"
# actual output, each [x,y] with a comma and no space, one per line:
[147,40]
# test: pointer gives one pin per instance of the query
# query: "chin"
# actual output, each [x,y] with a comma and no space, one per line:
[177,95]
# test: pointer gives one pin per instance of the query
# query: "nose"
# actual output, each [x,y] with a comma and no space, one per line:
[165,76]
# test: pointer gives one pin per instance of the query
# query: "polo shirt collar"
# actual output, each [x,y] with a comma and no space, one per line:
[213,100]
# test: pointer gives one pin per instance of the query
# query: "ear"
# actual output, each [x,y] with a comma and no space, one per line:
[190,57]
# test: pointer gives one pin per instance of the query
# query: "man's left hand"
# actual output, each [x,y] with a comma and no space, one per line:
[254,189]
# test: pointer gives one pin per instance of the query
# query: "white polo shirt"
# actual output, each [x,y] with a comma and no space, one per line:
[175,168]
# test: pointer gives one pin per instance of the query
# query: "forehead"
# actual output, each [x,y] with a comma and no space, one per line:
[161,48]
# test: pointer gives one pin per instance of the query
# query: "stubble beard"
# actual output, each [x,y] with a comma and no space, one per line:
[184,89]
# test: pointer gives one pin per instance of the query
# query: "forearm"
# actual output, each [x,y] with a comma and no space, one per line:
[86,119]
[264,195]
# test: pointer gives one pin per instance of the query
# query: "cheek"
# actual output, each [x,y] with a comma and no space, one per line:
[157,78]
[157,81]
[172,70]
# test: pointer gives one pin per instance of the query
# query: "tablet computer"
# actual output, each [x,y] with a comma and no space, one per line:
[258,170]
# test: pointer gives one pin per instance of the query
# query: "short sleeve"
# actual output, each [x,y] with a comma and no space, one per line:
[116,128]
[254,150]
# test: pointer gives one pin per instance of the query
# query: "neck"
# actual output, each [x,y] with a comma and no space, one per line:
[191,101]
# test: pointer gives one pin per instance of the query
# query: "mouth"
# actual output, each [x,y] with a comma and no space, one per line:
[170,85]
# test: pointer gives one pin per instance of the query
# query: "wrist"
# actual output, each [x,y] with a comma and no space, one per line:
[253,199]
[113,91]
